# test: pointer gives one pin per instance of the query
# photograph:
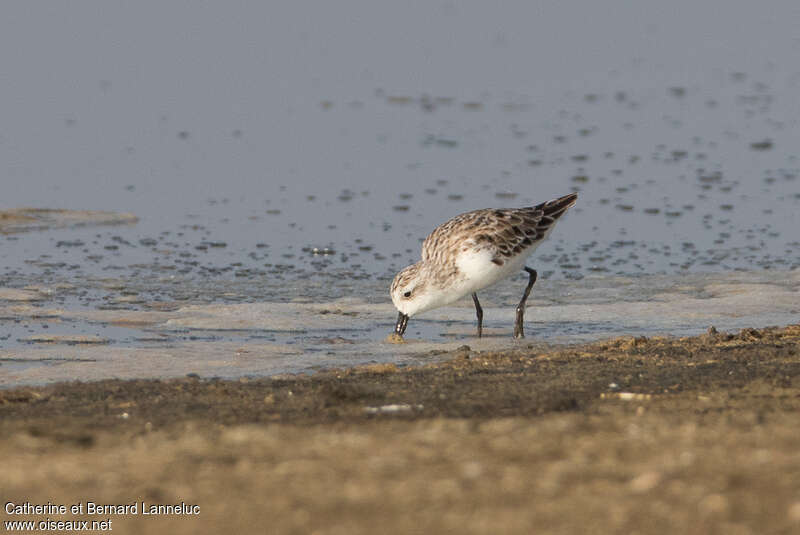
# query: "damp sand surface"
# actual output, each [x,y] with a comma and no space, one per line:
[646,434]
[29,219]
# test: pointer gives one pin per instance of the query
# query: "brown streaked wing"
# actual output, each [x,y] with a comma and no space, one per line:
[505,232]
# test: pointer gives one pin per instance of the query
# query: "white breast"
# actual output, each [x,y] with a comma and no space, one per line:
[480,272]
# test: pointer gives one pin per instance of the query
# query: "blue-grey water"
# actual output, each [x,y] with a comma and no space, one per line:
[287,153]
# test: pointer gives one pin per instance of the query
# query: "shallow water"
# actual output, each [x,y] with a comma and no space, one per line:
[277,158]
[49,336]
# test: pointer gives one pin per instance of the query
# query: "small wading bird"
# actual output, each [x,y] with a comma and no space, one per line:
[471,252]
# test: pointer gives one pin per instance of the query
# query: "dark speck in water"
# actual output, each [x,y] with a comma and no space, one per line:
[761,145]
[677,92]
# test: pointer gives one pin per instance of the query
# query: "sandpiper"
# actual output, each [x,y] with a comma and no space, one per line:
[472,251]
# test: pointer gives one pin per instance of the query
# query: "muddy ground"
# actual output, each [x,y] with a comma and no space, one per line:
[647,435]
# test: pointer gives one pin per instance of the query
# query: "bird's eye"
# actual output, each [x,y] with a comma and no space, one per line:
[407,294]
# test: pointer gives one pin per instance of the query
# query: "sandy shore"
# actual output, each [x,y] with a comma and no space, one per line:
[646,435]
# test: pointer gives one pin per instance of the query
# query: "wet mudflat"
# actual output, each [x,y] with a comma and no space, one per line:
[93,329]
[656,435]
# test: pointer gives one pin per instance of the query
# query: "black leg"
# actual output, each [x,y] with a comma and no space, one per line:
[521,307]
[479,312]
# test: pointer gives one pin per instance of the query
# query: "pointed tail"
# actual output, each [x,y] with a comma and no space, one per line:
[556,208]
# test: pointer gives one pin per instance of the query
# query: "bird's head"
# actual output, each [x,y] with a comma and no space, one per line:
[414,291]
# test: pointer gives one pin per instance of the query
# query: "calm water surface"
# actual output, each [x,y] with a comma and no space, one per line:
[277,153]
